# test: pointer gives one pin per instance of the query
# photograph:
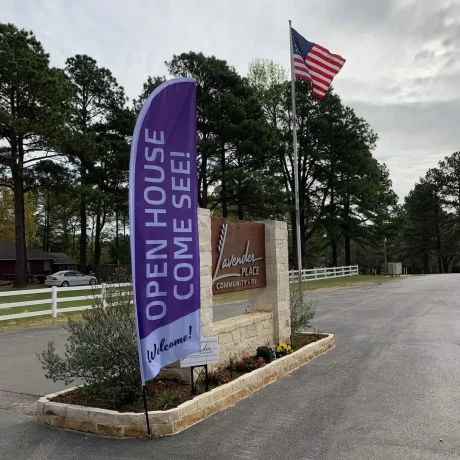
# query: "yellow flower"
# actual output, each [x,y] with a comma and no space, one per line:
[283,348]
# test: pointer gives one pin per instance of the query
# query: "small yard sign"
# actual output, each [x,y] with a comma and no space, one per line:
[208,354]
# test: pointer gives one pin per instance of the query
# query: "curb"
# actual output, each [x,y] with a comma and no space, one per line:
[163,423]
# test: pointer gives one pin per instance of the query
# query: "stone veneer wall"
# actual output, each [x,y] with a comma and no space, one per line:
[275,297]
[268,323]
[204,231]
[243,334]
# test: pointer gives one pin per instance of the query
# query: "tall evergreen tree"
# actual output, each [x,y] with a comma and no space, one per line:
[96,96]
[32,99]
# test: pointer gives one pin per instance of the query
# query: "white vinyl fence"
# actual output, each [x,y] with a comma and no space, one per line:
[314,274]
[51,298]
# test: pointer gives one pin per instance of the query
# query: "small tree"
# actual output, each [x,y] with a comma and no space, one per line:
[101,351]
[302,310]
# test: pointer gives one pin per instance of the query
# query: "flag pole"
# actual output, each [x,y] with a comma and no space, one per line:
[295,162]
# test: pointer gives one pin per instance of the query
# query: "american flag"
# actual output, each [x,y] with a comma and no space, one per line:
[314,63]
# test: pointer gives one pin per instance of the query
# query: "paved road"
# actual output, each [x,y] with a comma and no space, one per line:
[390,390]
[21,373]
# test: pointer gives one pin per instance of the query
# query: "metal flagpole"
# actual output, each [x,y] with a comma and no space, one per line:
[295,162]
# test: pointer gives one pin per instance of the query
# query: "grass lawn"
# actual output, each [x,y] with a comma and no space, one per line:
[46,295]
[345,281]
[43,321]
[230,297]
[38,321]
[309,286]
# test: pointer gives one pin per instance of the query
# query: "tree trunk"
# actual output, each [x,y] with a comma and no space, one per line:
[74,230]
[203,181]
[20,275]
[83,225]
[97,245]
[17,169]
[445,264]
[239,197]
[47,223]
[334,253]
[100,223]
[223,184]
[347,227]
[347,249]
[83,219]
[333,219]
[117,242]
[438,237]
[240,211]
[426,269]
[65,235]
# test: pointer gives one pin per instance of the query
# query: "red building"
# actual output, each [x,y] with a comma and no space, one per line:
[62,261]
[39,264]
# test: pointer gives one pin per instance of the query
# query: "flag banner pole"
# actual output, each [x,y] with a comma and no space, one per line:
[163,214]
[144,395]
[295,161]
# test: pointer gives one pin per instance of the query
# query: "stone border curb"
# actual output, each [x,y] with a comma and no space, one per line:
[130,424]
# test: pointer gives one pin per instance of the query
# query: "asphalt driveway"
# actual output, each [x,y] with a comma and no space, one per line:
[21,373]
[390,390]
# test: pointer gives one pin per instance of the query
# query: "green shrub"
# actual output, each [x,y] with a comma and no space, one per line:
[302,309]
[265,353]
[101,351]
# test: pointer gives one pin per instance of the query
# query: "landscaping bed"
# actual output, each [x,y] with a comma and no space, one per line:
[70,410]
[164,394]
[301,340]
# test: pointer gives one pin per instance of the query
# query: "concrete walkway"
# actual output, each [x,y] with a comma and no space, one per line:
[390,390]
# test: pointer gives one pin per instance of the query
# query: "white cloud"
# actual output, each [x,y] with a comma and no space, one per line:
[402,55]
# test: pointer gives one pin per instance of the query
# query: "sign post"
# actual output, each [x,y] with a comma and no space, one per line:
[207,354]
[164,228]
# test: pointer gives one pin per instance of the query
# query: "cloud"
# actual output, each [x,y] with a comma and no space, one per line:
[423,55]
[423,134]
[403,56]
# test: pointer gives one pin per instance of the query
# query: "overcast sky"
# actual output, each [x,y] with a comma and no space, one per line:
[402,72]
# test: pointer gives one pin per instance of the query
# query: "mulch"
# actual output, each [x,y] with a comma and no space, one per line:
[162,394]
[301,340]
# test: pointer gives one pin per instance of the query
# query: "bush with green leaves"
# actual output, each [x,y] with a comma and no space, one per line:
[265,353]
[302,309]
[101,351]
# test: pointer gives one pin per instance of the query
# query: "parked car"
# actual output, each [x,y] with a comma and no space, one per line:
[70,278]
